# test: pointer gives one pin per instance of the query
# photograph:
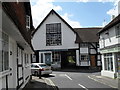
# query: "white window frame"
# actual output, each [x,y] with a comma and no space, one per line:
[108,58]
[117,30]
[27,21]
[4,52]
[86,58]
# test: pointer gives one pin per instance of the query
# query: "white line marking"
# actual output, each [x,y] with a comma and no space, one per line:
[68,77]
[83,86]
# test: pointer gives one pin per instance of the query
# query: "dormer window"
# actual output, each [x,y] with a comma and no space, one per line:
[27,22]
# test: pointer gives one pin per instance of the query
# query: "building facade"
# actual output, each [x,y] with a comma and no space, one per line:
[110,48]
[59,47]
[89,53]
[15,44]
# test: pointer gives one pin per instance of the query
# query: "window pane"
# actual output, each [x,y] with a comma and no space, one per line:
[117,27]
[4,53]
[84,57]
[108,62]
[53,34]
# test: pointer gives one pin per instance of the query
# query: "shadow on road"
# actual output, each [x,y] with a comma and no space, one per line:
[78,70]
[47,76]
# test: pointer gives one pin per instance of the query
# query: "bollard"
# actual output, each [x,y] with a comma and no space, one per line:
[39,74]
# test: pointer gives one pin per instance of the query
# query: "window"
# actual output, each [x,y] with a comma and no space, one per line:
[4,52]
[53,34]
[108,61]
[83,45]
[84,57]
[26,59]
[27,22]
[117,28]
[56,57]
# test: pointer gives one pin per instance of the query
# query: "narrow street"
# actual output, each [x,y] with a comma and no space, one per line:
[76,80]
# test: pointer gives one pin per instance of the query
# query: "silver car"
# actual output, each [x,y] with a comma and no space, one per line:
[37,68]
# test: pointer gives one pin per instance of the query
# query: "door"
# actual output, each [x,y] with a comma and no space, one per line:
[93,61]
[48,58]
[20,79]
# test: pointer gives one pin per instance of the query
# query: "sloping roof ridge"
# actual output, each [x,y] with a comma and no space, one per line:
[111,23]
[52,11]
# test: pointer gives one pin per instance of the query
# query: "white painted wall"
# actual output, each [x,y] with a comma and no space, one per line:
[108,39]
[84,50]
[68,36]
[85,63]
[93,51]
[12,75]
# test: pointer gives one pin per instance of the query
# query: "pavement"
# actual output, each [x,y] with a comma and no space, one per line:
[43,83]
[105,80]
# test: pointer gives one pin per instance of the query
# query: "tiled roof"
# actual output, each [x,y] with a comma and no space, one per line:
[87,34]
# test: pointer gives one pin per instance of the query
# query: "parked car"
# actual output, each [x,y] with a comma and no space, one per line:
[40,68]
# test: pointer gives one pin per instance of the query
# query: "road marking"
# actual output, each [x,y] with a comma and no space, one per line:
[101,82]
[83,86]
[68,77]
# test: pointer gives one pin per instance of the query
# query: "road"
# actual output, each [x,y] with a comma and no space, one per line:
[76,80]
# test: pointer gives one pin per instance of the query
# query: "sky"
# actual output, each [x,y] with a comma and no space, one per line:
[77,13]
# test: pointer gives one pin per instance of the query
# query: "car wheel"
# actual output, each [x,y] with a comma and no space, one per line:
[36,73]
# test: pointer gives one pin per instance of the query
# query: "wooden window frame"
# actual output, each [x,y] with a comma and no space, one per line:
[53,34]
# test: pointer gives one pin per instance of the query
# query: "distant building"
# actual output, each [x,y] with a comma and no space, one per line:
[110,48]
[15,44]
[89,53]
[56,42]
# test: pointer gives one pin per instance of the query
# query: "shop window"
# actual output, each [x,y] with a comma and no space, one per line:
[108,61]
[56,57]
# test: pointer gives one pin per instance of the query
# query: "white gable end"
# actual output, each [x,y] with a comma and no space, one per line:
[68,37]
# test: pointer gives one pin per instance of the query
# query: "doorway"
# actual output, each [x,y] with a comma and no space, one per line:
[93,60]
[48,58]
[68,59]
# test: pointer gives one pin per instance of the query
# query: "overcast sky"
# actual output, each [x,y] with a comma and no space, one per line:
[78,13]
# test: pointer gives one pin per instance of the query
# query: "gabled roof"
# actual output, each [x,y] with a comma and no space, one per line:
[87,34]
[52,11]
[114,22]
